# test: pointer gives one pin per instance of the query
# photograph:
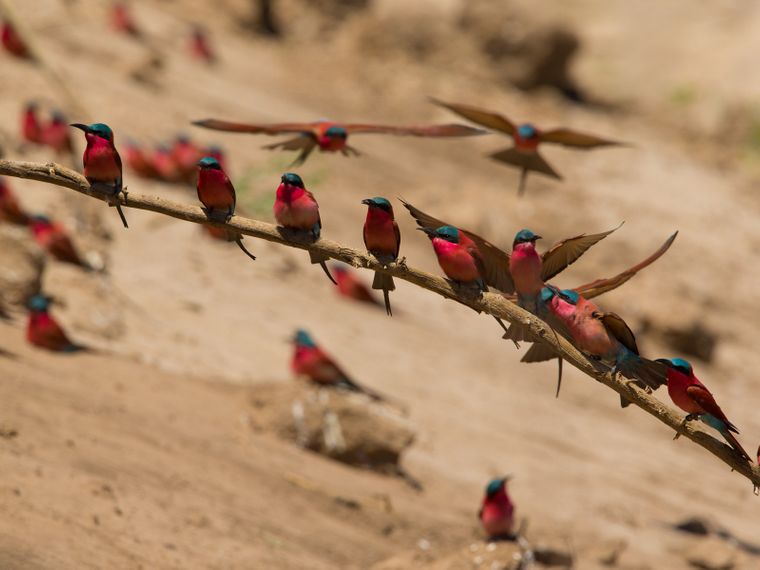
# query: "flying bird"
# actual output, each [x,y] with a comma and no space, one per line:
[351,287]
[330,136]
[497,514]
[10,209]
[524,153]
[53,238]
[310,361]
[44,331]
[693,397]
[382,239]
[295,208]
[217,194]
[102,163]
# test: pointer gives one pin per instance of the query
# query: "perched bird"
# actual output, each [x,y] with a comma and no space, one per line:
[12,42]
[42,329]
[693,397]
[295,208]
[53,238]
[122,20]
[351,287]
[217,194]
[216,152]
[200,46]
[10,209]
[497,513]
[382,239]
[459,258]
[312,362]
[186,156]
[163,163]
[524,154]
[102,163]
[138,162]
[31,129]
[57,136]
[605,337]
[330,136]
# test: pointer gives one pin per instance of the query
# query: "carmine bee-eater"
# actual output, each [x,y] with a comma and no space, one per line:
[102,163]
[524,154]
[382,239]
[330,136]
[200,46]
[57,136]
[605,337]
[164,165]
[693,397]
[138,162]
[217,194]
[10,209]
[31,129]
[53,238]
[459,258]
[42,329]
[186,156]
[12,42]
[295,208]
[216,152]
[351,287]
[497,514]
[122,20]
[312,362]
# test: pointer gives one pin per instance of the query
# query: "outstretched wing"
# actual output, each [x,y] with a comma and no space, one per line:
[569,137]
[435,131]
[616,326]
[495,260]
[566,252]
[256,128]
[480,116]
[600,286]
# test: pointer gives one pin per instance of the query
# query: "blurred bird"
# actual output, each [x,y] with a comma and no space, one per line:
[43,331]
[57,136]
[53,238]
[164,165]
[524,154]
[330,136]
[382,239]
[200,46]
[216,152]
[102,163]
[186,156]
[122,20]
[217,194]
[459,258]
[351,287]
[693,397]
[311,361]
[138,162]
[31,129]
[497,513]
[605,337]
[10,209]
[12,42]
[295,208]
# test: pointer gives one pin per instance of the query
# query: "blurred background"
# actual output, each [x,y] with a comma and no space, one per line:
[183,441]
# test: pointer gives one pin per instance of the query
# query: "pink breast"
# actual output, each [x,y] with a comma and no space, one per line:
[456,262]
[525,267]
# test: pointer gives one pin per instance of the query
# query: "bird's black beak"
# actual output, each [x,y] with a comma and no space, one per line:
[367,201]
[430,232]
[81,127]
[596,315]
[536,238]
[664,361]
[507,478]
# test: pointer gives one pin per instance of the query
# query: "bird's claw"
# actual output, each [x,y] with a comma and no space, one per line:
[402,263]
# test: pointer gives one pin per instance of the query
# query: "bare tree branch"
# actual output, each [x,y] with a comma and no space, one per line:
[491,303]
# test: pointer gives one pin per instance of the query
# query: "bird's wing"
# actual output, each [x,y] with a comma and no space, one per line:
[256,128]
[495,260]
[566,252]
[398,239]
[302,142]
[569,137]
[529,161]
[706,401]
[53,335]
[446,130]
[480,116]
[616,326]
[600,286]
[231,190]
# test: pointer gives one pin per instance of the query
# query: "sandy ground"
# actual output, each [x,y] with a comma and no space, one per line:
[141,456]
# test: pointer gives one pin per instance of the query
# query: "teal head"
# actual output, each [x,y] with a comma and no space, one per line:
[209,162]
[679,364]
[569,296]
[547,293]
[379,203]
[336,132]
[292,179]
[302,338]
[100,130]
[527,131]
[496,485]
[525,236]
[38,303]
[447,233]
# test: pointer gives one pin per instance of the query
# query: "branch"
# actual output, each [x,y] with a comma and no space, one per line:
[491,303]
